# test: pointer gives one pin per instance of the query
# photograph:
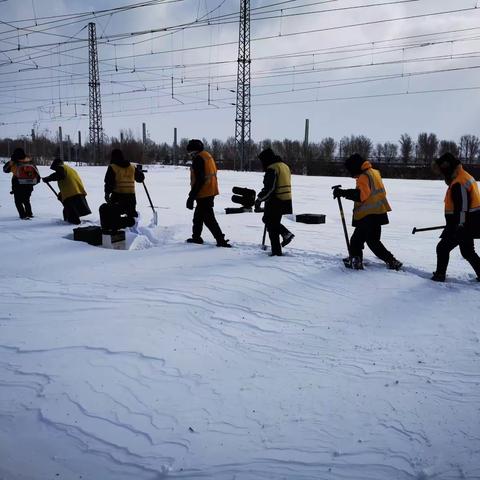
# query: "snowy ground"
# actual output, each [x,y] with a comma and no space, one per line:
[187,361]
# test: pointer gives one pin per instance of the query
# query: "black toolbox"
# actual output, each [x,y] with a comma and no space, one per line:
[91,234]
[310,218]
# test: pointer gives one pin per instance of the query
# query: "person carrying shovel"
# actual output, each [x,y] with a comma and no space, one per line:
[369,213]
[462,214]
[277,195]
[72,192]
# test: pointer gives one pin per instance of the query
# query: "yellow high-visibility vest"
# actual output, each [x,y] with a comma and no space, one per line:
[283,186]
[71,185]
[124,179]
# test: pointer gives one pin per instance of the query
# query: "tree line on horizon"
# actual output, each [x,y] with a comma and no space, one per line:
[306,159]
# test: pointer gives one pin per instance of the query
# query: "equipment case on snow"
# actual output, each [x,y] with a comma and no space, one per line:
[310,218]
[92,235]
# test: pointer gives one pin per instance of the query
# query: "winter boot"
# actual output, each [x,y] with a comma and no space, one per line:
[221,242]
[438,277]
[354,263]
[287,239]
[198,240]
[394,264]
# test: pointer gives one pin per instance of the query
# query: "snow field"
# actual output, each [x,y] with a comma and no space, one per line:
[188,361]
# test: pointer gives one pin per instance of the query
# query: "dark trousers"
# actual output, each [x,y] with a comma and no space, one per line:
[204,215]
[127,201]
[370,234]
[74,208]
[272,219]
[467,249]
[21,196]
[113,217]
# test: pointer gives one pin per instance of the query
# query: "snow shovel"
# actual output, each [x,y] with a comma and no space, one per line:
[342,215]
[53,190]
[155,215]
[415,229]
[264,247]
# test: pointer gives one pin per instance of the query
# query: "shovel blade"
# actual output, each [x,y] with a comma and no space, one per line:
[154,219]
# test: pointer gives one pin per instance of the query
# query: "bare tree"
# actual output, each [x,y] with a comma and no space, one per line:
[386,152]
[469,148]
[355,144]
[448,146]
[377,153]
[390,152]
[217,150]
[406,148]
[427,146]
[326,149]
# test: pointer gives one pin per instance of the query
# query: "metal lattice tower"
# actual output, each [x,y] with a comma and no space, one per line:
[94,100]
[242,118]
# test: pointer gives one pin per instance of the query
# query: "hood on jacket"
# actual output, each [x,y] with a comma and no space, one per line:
[356,164]
[57,162]
[117,158]
[447,165]
[18,154]
[267,157]
[195,146]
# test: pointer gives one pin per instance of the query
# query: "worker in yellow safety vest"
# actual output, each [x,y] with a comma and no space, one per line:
[72,192]
[203,190]
[120,181]
[369,213]
[277,195]
[462,214]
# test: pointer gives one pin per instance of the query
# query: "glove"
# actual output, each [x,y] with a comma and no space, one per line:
[107,197]
[190,203]
[338,193]
[258,205]
[44,179]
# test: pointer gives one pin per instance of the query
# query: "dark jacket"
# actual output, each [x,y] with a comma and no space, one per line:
[59,174]
[460,204]
[267,194]
[198,168]
[110,181]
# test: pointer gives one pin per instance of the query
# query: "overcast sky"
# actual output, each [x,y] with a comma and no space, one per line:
[381,78]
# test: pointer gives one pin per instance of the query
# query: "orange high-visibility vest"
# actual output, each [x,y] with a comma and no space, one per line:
[25,171]
[210,186]
[470,194]
[376,203]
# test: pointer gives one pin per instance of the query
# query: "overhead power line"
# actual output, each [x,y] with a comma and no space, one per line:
[209,23]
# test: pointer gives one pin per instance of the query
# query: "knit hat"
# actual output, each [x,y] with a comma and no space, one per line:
[56,163]
[267,157]
[195,145]
[117,155]
[447,159]
[18,154]
[354,164]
